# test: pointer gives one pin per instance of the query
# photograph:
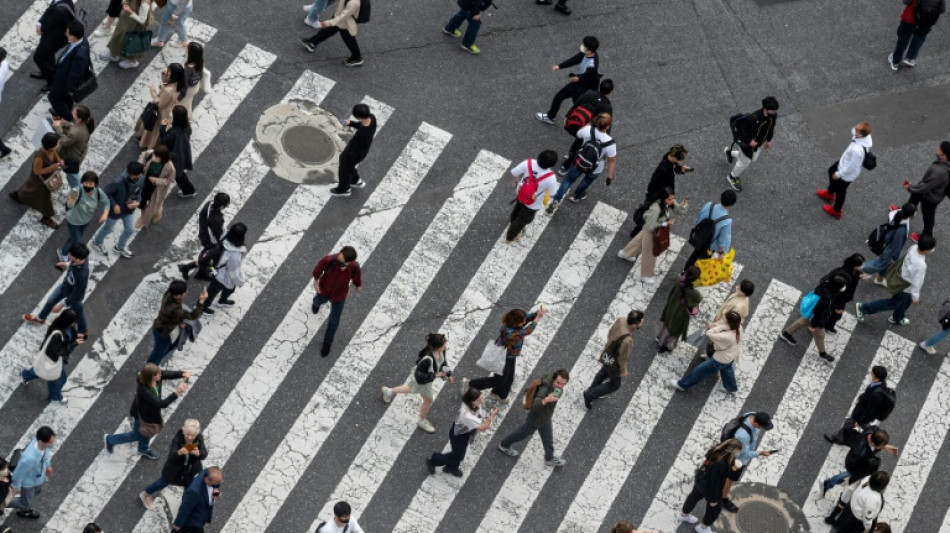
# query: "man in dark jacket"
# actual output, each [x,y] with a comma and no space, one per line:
[125,194]
[71,292]
[469,10]
[210,227]
[613,358]
[52,31]
[587,78]
[863,458]
[930,191]
[71,69]
[596,103]
[821,314]
[865,411]
[197,504]
[916,20]
[750,132]
[850,270]
[539,418]
[331,280]
[357,148]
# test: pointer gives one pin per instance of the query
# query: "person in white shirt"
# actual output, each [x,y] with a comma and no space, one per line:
[845,170]
[463,431]
[864,501]
[607,158]
[536,185]
[4,74]
[343,521]
[904,280]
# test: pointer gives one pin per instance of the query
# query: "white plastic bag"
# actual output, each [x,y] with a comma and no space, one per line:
[493,358]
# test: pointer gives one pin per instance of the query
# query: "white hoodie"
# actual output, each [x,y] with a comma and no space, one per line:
[229,273]
[849,166]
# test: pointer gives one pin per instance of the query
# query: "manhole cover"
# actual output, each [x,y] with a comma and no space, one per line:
[308,144]
[761,517]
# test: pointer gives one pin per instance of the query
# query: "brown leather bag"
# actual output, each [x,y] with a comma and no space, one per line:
[661,240]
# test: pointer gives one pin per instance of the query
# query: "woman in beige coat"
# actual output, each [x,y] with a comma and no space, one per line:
[159,176]
[197,77]
[726,341]
[171,91]
[659,214]
[344,23]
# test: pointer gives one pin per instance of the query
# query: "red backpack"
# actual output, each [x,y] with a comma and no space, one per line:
[578,118]
[529,187]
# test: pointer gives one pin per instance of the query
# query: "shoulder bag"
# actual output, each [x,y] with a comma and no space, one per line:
[146,429]
[149,116]
[661,240]
[54,182]
[44,367]
[493,357]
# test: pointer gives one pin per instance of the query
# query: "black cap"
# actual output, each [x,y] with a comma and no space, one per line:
[763,419]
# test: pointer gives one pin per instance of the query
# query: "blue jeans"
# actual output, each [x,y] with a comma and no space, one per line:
[836,479]
[316,9]
[336,311]
[73,181]
[937,337]
[569,180]
[899,303]
[471,32]
[75,235]
[128,229]
[878,265]
[909,34]
[161,347]
[54,299]
[55,388]
[156,486]
[707,368]
[129,436]
[164,30]
[24,502]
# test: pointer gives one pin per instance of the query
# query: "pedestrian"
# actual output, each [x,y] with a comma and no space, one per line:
[210,227]
[547,391]
[590,104]
[159,176]
[4,75]
[664,177]
[681,304]
[468,423]
[125,194]
[875,403]
[932,189]
[165,95]
[331,280]
[198,501]
[71,291]
[60,341]
[713,230]
[614,357]
[92,527]
[943,334]
[515,326]
[864,502]
[826,291]
[356,150]
[197,76]
[598,151]
[71,69]
[843,172]
[146,409]
[863,458]
[174,15]
[32,472]
[917,18]
[6,489]
[343,521]
[470,11]
[586,78]
[228,275]
[167,325]
[749,433]
[536,185]
[727,347]
[430,364]
[314,11]
[113,11]
[851,271]
[750,131]
[904,279]
[560,7]
[345,23]
[176,135]
[719,463]
[81,206]
[891,243]
[52,31]
[738,301]
[136,15]
[659,214]
[185,453]
[33,192]
[74,141]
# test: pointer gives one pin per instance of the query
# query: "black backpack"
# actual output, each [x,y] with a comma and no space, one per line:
[729,430]
[363,16]
[876,240]
[888,401]
[734,122]
[421,375]
[589,154]
[870,160]
[701,236]
[640,211]
[208,259]
[926,15]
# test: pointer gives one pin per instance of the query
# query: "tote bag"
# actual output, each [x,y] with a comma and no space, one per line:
[661,240]
[493,357]
[713,271]
[44,367]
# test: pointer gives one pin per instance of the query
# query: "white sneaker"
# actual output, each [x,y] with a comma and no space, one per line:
[543,117]
[424,425]
[890,61]
[106,56]
[147,500]
[124,252]
[882,282]
[929,349]
[688,518]
[315,24]
[909,63]
[497,399]
[621,255]
[704,529]
[387,394]
[675,383]
[125,63]
[359,184]
[647,282]
[555,462]
[723,389]
[306,8]
[463,386]
[102,32]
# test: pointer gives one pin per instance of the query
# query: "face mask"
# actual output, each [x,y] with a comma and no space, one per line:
[583,50]
[854,132]
[88,189]
[133,179]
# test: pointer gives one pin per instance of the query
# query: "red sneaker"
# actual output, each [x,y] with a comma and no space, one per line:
[830,209]
[34,319]
[894,207]
[914,236]
[825,195]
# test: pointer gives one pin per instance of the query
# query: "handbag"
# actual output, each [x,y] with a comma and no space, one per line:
[713,271]
[424,377]
[44,367]
[54,182]
[149,116]
[86,86]
[136,42]
[146,429]
[661,240]
[493,357]
[807,305]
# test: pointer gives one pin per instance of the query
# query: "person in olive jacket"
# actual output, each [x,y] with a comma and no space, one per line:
[711,476]
[165,328]
[539,418]
[185,454]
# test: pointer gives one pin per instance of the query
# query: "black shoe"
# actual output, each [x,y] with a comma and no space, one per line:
[587,400]
[830,520]
[788,338]
[454,471]
[37,76]
[729,506]
[208,310]
[430,466]
[325,350]
[4,153]
[728,152]
[830,438]
[831,329]
[184,270]
[827,357]
[45,89]
[562,9]
[307,44]
[336,191]
[825,488]
[662,349]
[575,198]
[314,309]
[29,513]
[224,302]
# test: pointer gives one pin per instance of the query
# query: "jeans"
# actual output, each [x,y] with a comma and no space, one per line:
[500,385]
[164,30]
[217,287]
[571,90]
[316,9]
[453,459]
[569,180]
[75,235]
[837,187]
[336,311]
[742,161]
[937,337]
[161,347]
[899,303]
[878,265]
[55,298]
[128,230]
[928,211]
[836,479]
[912,35]
[24,502]
[55,387]
[73,180]
[471,32]
[129,436]
[348,40]
[707,368]
[156,486]
[546,433]
[712,512]
[599,389]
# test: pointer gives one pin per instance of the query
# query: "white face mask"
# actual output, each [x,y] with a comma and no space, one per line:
[854,132]
[583,50]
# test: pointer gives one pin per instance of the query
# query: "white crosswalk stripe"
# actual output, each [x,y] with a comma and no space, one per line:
[21,39]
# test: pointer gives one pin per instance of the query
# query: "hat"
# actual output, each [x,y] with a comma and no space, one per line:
[763,419]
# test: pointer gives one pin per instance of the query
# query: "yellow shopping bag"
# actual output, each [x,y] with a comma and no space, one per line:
[713,271]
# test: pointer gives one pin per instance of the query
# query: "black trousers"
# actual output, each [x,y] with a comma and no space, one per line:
[453,459]
[184,184]
[838,187]
[45,56]
[928,210]
[215,288]
[348,40]
[696,256]
[712,512]
[348,173]
[571,90]
[599,389]
[521,216]
[62,105]
[500,385]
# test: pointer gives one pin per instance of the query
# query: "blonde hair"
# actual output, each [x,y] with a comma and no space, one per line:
[191,427]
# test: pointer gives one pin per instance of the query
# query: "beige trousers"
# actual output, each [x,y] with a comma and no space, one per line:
[642,246]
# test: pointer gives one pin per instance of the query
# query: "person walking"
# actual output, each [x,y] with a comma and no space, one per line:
[469,11]
[125,194]
[52,31]
[875,403]
[314,11]
[174,15]
[136,15]
[515,326]
[71,292]
[750,131]
[713,220]
[468,423]
[864,504]
[904,280]
[932,189]
[81,205]
[863,458]
[682,303]
[658,215]
[430,365]
[228,275]
[198,501]
[146,409]
[891,243]
[851,271]
[159,176]
[343,521]
[74,141]
[719,463]
[197,76]
[166,326]
[60,341]
[917,18]
[345,23]
[210,227]
[749,433]
[826,291]
[664,177]
[560,7]
[536,183]
[843,172]
[597,152]
[71,69]
[185,453]
[331,280]
[943,334]
[32,472]
[727,347]
[548,390]
[586,78]
[176,135]
[738,302]
[590,104]
[165,95]
[356,150]
[614,357]
[113,12]
[33,192]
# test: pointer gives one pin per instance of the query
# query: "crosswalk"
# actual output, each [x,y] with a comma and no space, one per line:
[589,499]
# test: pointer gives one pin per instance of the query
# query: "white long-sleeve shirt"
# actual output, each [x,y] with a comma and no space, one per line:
[865,503]
[913,271]
[849,166]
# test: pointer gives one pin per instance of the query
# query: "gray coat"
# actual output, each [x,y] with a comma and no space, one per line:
[933,187]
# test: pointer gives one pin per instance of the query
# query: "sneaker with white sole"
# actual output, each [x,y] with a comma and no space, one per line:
[106,56]
[552,207]
[498,399]
[728,151]
[555,462]
[882,282]
[149,454]
[675,383]
[463,385]
[909,63]
[147,500]
[704,529]
[340,194]
[734,183]
[508,451]
[688,518]
[454,33]
[350,62]
[124,252]
[474,50]
[625,257]
[646,282]
[426,426]
[929,349]
[359,184]
[902,322]
[307,44]
[890,61]
[858,315]
[315,24]
[387,394]
[126,63]
[543,117]
[102,32]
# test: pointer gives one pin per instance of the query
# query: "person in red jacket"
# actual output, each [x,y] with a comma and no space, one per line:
[916,20]
[331,279]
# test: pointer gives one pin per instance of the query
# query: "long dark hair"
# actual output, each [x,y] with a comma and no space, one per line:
[470,396]
[64,321]
[196,60]
[734,320]
[905,212]
[664,193]
[180,118]
[176,76]
[691,275]
[85,116]
[236,234]
[726,450]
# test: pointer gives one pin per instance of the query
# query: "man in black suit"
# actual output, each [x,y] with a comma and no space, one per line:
[197,504]
[71,69]
[52,31]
